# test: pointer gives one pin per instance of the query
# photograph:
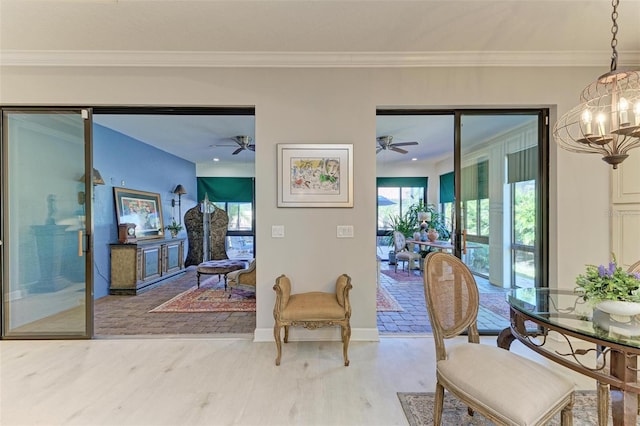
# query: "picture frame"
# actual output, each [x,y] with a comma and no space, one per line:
[144,209]
[315,175]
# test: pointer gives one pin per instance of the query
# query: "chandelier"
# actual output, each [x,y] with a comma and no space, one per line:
[607,120]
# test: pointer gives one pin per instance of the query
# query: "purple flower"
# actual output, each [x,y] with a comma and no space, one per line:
[602,272]
[637,275]
[612,268]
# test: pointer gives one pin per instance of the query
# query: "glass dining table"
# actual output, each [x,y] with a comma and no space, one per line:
[562,326]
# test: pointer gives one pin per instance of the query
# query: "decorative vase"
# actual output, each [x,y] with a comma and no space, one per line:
[432,234]
[173,233]
[619,310]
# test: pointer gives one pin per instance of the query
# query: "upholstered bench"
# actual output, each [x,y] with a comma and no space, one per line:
[312,310]
[219,267]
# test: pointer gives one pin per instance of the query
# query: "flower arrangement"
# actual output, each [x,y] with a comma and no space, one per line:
[600,283]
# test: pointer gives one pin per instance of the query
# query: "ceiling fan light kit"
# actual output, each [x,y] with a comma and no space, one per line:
[386,143]
[607,120]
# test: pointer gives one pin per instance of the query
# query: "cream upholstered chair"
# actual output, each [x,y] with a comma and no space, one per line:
[506,388]
[403,254]
[243,277]
[312,310]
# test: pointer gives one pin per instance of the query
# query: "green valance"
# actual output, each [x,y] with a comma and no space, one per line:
[447,188]
[522,165]
[475,181]
[226,189]
[402,182]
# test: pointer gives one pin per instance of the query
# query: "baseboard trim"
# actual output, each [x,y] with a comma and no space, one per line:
[324,334]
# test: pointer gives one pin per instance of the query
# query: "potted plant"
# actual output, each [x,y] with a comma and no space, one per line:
[610,288]
[174,228]
[436,222]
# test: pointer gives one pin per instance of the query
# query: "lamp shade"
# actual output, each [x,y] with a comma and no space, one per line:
[97,178]
[180,190]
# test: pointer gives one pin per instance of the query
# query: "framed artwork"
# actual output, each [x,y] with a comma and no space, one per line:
[315,175]
[141,208]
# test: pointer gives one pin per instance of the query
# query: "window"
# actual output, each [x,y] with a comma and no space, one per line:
[521,176]
[235,196]
[395,197]
[475,215]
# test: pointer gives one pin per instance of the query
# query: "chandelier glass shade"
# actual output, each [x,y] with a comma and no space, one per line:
[607,120]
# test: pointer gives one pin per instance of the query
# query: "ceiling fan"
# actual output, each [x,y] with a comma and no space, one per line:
[386,142]
[244,143]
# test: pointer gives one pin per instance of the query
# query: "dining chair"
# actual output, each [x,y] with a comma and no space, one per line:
[506,388]
[403,253]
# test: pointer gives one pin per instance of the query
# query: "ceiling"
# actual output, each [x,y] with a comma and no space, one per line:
[287,33]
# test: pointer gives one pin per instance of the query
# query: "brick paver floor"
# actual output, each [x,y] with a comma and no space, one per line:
[129,315]
[415,319]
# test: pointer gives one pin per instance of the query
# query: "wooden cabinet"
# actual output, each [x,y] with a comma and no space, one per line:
[139,266]
[625,210]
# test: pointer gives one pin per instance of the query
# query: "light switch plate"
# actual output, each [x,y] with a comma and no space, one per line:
[277,231]
[345,231]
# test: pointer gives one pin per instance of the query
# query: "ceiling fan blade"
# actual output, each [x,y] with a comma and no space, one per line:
[378,150]
[252,147]
[401,151]
[404,143]
[237,151]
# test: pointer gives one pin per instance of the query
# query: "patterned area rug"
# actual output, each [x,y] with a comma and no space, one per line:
[418,407]
[403,276]
[386,302]
[210,299]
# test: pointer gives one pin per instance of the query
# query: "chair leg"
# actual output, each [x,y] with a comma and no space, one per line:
[276,335]
[286,334]
[438,402]
[198,279]
[566,415]
[346,336]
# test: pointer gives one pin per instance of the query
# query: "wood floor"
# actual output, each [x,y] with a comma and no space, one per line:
[158,381]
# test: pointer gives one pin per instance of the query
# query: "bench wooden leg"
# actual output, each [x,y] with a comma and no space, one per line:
[276,335]
[346,336]
[198,279]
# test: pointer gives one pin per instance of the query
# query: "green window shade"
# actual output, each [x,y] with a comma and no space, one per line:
[447,188]
[475,181]
[522,165]
[228,189]
[402,182]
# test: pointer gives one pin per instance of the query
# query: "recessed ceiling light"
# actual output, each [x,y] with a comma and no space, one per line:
[414,159]
[216,159]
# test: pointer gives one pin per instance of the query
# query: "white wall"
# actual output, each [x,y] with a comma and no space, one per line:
[339,106]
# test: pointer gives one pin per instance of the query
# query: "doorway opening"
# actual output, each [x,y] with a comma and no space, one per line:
[484,187]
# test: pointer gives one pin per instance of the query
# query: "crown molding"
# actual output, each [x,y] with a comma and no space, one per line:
[80,58]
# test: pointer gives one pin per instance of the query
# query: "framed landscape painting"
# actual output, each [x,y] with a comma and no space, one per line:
[144,209]
[315,175]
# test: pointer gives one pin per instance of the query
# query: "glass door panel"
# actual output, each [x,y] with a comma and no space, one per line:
[46,215]
[499,204]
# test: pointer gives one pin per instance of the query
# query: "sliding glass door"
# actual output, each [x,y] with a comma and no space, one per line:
[46,219]
[501,209]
